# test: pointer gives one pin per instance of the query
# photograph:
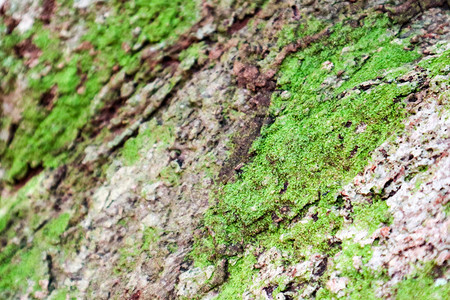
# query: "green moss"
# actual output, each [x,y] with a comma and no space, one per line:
[44,135]
[30,263]
[312,153]
[322,136]
[191,55]
[171,174]
[294,32]
[437,65]
[158,21]
[7,253]
[422,285]
[447,209]
[241,273]
[150,134]
[60,295]
[203,251]
[49,45]
[11,206]
[362,283]
[55,228]
[314,234]
[10,65]
[371,216]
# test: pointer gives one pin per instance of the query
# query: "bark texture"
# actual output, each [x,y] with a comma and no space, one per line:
[224,149]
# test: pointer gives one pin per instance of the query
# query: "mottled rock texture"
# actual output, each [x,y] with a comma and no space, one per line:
[224,149]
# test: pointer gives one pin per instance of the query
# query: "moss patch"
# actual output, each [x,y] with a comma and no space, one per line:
[362,283]
[30,263]
[10,206]
[326,127]
[241,276]
[423,285]
[150,134]
[70,81]
[315,144]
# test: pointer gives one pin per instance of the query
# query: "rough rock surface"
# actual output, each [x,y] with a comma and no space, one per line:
[224,149]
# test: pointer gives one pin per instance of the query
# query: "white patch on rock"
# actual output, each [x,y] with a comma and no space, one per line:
[26,23]
[83,3]
[336,284]
[206,30]
[151,220]
[327,65]
[193,280]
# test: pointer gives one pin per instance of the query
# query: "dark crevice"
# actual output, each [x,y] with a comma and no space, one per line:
[40,226]
[10,222]
[51,276]
[31,172]
[48,8]
[12,132]
[269,290]
[320,269]
[239,24]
